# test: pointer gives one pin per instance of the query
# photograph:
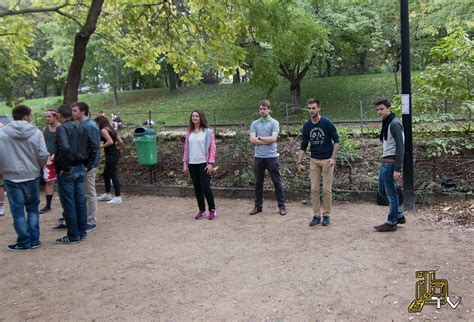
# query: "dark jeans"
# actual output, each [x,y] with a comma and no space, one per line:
[110,173]
[25,195]
[388,190]
[202,185]
[273,166]
[73,200]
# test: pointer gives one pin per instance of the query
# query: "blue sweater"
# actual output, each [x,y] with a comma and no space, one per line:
[322,137]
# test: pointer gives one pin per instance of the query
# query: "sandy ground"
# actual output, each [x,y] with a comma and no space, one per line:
[151,260]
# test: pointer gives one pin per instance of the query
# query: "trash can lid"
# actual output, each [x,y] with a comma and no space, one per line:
[141,131]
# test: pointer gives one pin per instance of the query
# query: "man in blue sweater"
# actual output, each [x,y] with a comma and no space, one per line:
[392,138]
[322,134]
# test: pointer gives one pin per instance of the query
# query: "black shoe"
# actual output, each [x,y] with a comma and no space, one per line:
[255,211]
[402,220]
[66,241]
[385,227]
[44,210]
[282,211]
[16,248]
[36,246]
[59,227]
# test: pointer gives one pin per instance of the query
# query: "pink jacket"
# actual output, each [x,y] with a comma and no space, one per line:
[210,144]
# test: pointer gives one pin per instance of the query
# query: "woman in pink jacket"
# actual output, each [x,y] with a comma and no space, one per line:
[198,160]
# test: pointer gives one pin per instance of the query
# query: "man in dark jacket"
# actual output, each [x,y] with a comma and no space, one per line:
[22,154]
[76,151]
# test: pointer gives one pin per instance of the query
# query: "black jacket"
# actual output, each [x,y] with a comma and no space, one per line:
[74,146]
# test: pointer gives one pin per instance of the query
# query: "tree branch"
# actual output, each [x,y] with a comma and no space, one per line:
[31,10]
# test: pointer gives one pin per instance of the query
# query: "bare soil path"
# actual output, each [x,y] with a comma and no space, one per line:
[151,260]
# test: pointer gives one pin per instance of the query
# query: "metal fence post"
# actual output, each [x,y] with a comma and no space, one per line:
[361,107]
[214,119]
[287,120]
[149,118]
[445,105]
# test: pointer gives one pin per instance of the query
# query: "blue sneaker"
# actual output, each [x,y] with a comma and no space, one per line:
[326,220]
[315,221]
[90,228]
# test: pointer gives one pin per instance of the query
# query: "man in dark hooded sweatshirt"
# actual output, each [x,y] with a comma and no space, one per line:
[22,155]
[392,138]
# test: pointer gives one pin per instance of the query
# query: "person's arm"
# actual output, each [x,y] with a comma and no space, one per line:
[93,147]
[185,153]
[108,139]
[303,147]
[253,135]
[62,160]
[396,129]
[268,139]
[335,139]
[43,154]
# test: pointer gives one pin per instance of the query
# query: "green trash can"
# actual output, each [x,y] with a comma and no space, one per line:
[145,144]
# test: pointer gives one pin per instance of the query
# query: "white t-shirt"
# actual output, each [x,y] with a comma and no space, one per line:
[197,148]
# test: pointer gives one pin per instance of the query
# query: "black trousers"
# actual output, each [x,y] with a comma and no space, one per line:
[273,167]
[110,173]
[202,185]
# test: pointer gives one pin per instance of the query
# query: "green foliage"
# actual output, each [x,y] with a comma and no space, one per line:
[447,146]
[348,150]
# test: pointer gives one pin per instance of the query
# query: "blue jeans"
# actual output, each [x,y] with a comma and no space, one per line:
[21,196]
[73,201]
[273,166]
[388,190]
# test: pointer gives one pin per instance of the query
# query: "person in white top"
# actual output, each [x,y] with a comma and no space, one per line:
[198,161]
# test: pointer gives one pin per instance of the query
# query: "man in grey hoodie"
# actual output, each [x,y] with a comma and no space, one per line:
[23,154]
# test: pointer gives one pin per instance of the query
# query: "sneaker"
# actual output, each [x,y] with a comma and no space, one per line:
[90,228]
[255,211]
[326,220]
[402,220]
[105,197]
[212,214]
[44,210]
[282,211]
[200,214]
[2,212]
[66,241]
[36,245]
[16,248]
[315,221]
[385,227]
[83,237]
[115,201]
[59,227]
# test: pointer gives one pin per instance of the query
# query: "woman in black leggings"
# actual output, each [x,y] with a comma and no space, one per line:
[110,140]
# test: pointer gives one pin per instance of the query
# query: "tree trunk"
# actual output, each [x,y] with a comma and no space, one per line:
[80,45]
[295,88]
[171,77]
[328,68]
[115,84]
[236,77]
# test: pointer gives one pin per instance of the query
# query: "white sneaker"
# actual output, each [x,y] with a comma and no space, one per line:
[2,212]
[105,197]
[115,201]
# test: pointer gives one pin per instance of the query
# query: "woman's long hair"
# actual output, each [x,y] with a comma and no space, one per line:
[202,119]
[104,123]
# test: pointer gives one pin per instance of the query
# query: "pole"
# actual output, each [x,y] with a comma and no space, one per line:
[361,107]
[408,180]
[287,120]
[214,119]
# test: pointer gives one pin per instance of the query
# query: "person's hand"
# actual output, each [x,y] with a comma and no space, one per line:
[209,168]
[299,167]
[397,176]
[185,169]
[331,162]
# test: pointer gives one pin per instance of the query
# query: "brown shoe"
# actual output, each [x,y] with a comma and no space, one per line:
[255,211]
[385,227]
[402,220]
[282,211]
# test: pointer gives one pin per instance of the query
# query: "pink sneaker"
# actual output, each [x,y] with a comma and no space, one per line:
[212,214]
[200,214]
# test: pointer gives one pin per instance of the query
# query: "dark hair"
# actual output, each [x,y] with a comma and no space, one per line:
[20,111]
[65,110]
[104,123]
[382,100]
[83,107]
[202,119]
[265,103]
[313,101]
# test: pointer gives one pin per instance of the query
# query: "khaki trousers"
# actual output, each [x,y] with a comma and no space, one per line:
[318,168]
[91,196]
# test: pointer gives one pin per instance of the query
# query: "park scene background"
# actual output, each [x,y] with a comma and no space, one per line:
[159,60]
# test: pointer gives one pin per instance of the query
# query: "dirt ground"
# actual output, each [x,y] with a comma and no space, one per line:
[151,260]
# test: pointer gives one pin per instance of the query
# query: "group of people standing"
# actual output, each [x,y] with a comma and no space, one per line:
[321,134]
[67,152]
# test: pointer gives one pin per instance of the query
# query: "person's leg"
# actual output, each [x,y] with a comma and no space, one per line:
[80,200]
[198,191]
[328,177]
[49,190]
[315,173]
[391,192]
[67,198]
[273,165]
[381,187]
[205,182]
[106,174]
[2,198]
[259,165]
[32,201]
[114,176]
[16,198]
[91,196]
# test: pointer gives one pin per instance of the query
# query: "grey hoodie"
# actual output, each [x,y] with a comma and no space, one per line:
[22,151]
